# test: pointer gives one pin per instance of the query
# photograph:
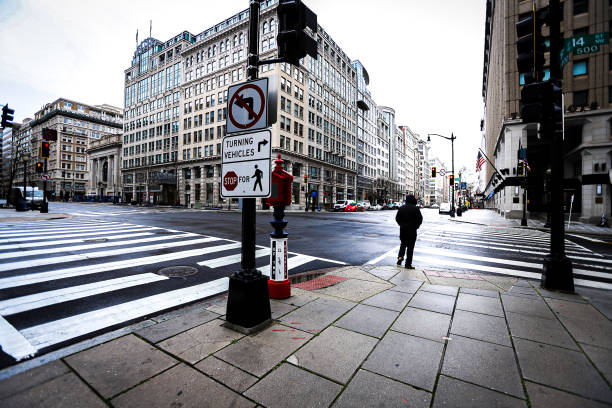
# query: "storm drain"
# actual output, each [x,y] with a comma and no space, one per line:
[178,271]
[96,240]
[320,282]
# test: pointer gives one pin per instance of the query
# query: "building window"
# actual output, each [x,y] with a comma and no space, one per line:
[581,68]
[581,6]
[581,98]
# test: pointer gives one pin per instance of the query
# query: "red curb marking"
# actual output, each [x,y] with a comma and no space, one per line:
[404,401]
[320,282]
[279,330]
[295,323]
[298,338]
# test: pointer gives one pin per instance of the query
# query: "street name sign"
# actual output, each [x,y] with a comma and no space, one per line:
[247,106]
[245,165]
[582,45]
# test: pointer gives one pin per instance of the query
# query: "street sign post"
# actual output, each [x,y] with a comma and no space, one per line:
[247,106]
[245,165]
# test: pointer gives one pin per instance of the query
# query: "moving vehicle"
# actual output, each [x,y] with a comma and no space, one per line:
[445,208]
[34,196]
[340,205]
[354,207]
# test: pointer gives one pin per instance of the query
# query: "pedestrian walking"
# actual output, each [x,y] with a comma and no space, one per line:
[409,219]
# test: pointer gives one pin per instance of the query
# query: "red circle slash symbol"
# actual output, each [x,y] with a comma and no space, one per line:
[239,101]
[230,181]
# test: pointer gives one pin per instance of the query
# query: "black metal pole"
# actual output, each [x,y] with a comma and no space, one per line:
[44,207]
[25,189]
[248,304]
[557,268]
[452,139]
[524,219]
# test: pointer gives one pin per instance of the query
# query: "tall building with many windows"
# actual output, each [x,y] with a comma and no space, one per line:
[587,88]
[175,109]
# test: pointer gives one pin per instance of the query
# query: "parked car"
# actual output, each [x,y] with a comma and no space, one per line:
[366,205]
[33,196]
[376,207]
[354,207]
[341,205]
[445,208]
[435,206]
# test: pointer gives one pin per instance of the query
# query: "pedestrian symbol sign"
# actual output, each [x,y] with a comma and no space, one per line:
[245,165]
[247,107]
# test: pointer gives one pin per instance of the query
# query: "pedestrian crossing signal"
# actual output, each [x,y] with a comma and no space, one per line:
[433,172]
[45,149]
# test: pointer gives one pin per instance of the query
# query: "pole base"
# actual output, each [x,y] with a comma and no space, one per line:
[557,274]
[523,222]
[279,289]
[459,212]
[44,207]
[248,304]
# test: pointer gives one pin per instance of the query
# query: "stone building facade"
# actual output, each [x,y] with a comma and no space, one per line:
[105,167]
[587,88]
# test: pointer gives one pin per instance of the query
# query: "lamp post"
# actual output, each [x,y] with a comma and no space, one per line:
[452,139]
[25,157]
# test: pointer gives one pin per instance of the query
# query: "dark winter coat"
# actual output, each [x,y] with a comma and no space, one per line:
[409,219]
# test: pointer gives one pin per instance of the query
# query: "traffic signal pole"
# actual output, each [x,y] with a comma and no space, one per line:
[557,268]
[248,304]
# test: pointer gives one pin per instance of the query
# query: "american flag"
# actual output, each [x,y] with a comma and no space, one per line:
[527,165]
[479,161]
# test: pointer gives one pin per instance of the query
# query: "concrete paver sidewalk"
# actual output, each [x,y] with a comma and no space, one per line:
[385,336]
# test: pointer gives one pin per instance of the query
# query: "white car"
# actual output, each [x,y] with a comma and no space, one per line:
[341,205]
[365,204]
[376,207]
[445,208]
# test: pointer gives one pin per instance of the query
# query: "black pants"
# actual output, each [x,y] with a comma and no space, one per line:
[408,240]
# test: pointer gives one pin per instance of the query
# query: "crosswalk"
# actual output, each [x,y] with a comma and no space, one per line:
[503,251]
[66,279]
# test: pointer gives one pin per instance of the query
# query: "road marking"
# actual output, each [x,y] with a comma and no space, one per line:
[383,256]
[586,238]
[85,247]
[100,254]
[453,254]
[57,331]
[88,234]
[52,297]
[109,266]
[70,241]
[13,342]
[231,259]
[70,229]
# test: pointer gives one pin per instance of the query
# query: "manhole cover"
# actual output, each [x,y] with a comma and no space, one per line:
[96,240]
[177,271]
[371,235]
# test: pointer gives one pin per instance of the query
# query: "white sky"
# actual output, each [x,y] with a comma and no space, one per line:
[424,57]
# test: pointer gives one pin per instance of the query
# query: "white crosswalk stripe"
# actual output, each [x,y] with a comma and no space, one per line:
[64,278]
[501,251]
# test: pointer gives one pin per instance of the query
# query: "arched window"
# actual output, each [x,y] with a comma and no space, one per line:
[209,52]
[241,38]
[235,40]
[272,25]
[105,172]
[214,50]
[227,44]
[265,27]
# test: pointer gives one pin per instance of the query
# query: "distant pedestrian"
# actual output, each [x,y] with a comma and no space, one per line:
[409,219]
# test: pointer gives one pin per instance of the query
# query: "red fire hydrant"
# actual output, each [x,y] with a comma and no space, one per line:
[279,286]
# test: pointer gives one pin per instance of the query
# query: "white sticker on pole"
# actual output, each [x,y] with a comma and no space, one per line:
[278,259]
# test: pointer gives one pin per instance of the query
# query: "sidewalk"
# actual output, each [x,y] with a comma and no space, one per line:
[352,337]
[492,218]
[9,215]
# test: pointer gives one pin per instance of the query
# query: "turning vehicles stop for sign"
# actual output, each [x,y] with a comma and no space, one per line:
[245,165]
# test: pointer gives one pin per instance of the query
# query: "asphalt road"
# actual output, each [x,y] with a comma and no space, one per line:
[65,280]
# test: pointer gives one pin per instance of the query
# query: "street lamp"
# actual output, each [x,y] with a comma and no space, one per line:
[452,139]
[25,157]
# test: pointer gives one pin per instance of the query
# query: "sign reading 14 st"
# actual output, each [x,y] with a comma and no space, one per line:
[245,164]
[247,107]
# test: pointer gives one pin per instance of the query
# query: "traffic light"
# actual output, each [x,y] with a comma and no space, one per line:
[45,149]
[7,116]
[541,102]
[530,46]
[50,134]
[433,172]
[293,42]
[521,168]
[451,179]
[39,167]
[305,179]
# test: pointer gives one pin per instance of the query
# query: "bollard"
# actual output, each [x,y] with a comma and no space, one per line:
[279,286]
